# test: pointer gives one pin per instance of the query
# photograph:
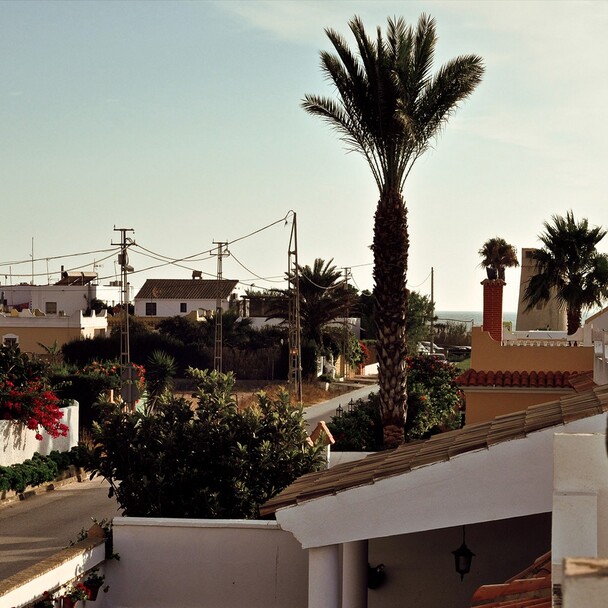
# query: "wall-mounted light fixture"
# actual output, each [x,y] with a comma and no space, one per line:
[463,557]
[375,576]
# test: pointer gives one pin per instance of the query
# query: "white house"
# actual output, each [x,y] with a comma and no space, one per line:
[73,292]
[179,297]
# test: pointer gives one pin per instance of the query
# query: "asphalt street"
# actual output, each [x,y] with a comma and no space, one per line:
[41,525]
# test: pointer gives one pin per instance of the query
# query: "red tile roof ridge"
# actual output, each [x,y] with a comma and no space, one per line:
[527,378]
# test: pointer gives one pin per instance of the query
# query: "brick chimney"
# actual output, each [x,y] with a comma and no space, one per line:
[492,307]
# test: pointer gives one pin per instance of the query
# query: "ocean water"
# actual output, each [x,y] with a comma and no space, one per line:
[474,317]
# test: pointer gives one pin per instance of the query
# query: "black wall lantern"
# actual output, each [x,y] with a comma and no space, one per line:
[463,557]
[375,576]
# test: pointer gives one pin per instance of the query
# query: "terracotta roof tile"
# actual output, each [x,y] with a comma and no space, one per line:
[552,379]
[438,448]
[185,289]
[530,588]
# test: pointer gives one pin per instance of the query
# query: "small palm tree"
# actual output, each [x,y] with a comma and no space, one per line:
[496,254]
[160,370]
[390,107]
[323,298]
[569,268]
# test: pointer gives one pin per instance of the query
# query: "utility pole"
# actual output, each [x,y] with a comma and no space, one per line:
[432,346]
[222,250]
[129,391]
[345,335]
[295,349]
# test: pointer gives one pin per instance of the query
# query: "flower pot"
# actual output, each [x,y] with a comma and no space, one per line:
[92,591]
[68,602]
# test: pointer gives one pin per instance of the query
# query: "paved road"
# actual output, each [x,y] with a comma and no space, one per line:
[325,410]
[35,528]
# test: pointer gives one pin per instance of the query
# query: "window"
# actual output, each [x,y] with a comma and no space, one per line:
[50,308]
[10,340]
[183,307]
[150,309]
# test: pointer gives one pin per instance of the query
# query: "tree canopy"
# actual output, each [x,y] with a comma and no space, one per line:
[207,460]
[569,268]
[498,255]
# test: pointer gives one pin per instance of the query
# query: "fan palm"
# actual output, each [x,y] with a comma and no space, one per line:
[496,253]
[389,107]
[569,268]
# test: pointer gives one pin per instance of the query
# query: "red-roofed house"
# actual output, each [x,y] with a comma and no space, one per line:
[179,297]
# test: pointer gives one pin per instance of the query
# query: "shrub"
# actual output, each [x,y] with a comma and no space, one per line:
[209,461]
[434,404]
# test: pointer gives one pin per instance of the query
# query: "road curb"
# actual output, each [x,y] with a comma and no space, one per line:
[13,497]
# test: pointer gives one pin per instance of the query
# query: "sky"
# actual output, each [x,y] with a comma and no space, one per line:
[183,122]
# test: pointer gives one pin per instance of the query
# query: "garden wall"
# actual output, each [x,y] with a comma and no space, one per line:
[213,563]
[18,443]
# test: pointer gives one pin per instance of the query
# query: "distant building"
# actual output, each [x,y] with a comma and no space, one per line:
[32,331]
[74,292]
[549,316]
[179,297]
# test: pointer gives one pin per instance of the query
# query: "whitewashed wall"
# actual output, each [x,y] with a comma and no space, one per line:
[186,563]
[18,443]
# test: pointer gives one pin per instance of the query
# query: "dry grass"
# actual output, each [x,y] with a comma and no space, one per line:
[312,393]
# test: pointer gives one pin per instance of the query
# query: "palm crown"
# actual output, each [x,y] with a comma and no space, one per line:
[569,268]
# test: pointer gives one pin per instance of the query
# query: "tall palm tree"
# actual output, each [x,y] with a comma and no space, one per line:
[389,107]
[497,254]
[569,268]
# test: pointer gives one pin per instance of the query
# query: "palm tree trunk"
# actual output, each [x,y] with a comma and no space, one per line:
[573,318]
[390,248]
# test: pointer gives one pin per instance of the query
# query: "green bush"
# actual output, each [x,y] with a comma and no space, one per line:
[434,404]
[209,461]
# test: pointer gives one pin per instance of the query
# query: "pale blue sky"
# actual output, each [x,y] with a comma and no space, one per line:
[182,120]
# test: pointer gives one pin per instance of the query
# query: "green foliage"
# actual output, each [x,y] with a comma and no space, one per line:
[211,460]
[323,298]
[452,333]
[434,399]
[434,403]
[34,471]
[160,370]
[569,268]
[497,254]
[86,385]
[420,310]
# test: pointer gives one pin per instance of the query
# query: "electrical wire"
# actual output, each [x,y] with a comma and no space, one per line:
[56,257]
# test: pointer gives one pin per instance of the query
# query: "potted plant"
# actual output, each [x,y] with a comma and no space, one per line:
[73,595]
[496,255]
[94,582]
[46,601]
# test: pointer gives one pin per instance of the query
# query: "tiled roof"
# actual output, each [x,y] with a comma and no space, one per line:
[440,448]
[185,289]
[524,379]
[528,589]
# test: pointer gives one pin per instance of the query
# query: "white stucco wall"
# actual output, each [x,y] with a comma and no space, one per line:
[69,298]
[18,443]
[580,499]
[186,563]
[171,308]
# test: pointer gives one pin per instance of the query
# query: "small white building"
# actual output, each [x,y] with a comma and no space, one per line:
[179,297]
[75,291]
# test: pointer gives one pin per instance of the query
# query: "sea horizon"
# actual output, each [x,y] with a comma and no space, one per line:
[470,317]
